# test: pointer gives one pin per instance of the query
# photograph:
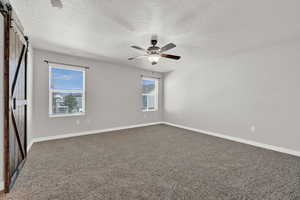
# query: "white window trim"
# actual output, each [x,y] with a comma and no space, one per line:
[155,93]
[70,91]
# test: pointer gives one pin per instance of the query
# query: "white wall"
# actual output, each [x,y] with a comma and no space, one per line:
[113,97]
[258,87]
[1,101]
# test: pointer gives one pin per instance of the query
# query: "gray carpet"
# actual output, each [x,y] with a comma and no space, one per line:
[155,162]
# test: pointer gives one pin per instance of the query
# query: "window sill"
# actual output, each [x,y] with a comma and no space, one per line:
[66,115]
[150,110]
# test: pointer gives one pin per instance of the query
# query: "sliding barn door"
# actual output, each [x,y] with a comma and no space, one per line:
[15,111]
[18,107]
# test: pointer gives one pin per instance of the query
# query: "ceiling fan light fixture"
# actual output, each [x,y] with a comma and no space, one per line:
[154,58]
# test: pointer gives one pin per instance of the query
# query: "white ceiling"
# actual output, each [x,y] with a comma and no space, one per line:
[203,30]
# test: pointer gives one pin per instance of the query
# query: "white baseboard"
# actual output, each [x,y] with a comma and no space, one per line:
[30,145]
[236,139]
[41,139]
[1,186]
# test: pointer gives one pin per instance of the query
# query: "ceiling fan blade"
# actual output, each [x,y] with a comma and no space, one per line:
[138,48]
[137,57]
[167,47]
[170,56]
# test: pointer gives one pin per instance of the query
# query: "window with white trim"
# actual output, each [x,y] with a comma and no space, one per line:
[149,94]
[66,90]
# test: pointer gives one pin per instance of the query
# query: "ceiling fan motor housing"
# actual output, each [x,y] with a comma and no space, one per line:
[153,42]
[153,50]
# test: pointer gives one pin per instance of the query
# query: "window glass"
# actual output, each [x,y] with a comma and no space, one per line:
[66,79]
[66,91]
[148,86]
[149,94]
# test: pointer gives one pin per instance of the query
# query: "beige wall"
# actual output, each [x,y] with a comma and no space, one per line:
[29,92]
[256,88]
[113,97]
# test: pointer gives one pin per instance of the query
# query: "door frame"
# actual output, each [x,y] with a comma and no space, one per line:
[5,11]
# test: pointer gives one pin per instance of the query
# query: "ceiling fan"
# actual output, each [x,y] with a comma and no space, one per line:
[154,53]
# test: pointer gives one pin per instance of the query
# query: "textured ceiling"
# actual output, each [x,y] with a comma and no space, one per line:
[203,30]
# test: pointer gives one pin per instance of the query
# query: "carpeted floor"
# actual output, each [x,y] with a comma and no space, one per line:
[155,162]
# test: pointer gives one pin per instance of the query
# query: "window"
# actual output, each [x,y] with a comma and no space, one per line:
[66,90]
[149,94]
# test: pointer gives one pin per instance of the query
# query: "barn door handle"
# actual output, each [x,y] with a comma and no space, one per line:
[14,103]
